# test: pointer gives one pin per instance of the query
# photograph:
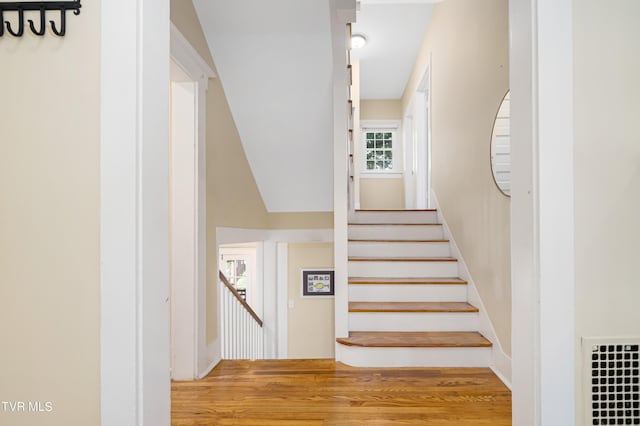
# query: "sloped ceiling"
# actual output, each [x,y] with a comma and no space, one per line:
[395,31]
[275,63]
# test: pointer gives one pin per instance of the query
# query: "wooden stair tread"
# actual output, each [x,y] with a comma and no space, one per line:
[402,259]
[407,280]
[430,339]
[396,210]
[396,241]
[461,307]
[395,224]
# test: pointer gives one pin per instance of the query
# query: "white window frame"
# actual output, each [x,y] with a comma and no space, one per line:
[389,125]
[254,296]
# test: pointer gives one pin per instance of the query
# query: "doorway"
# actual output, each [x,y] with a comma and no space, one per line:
[421,142]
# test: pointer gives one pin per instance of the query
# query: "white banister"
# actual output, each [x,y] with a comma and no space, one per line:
[242,332]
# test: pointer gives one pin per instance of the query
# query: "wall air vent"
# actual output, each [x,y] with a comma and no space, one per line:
[611,381]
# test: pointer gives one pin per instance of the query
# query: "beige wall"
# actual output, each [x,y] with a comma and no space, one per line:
[380,109]
[607,171]
[468,41]
[318,220]
[311,320]
[49,222]
[382,194]
[233,198]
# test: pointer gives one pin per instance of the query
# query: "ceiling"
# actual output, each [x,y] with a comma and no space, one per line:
[274,60]
[395,30]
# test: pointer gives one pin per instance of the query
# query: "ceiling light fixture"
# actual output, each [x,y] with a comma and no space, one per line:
[358,41]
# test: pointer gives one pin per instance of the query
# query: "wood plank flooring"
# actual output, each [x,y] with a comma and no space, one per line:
[323,392]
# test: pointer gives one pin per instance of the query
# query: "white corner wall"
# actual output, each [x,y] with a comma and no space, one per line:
[607,172]
[134,214]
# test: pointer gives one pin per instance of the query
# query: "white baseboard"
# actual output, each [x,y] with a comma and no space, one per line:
[500,361]
[501,366]
[213,353]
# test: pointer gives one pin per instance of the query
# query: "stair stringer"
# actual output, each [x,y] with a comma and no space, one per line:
[500,362]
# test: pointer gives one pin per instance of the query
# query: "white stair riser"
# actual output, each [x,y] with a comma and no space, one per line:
[413,321]
[396,232]
[394,217]
[407,293]
[402,269]
[413,357]
[383,249]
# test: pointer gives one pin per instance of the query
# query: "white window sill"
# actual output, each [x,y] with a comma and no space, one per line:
[381,175]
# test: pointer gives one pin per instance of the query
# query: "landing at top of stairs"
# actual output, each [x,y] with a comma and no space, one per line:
[428,339]
[407,280]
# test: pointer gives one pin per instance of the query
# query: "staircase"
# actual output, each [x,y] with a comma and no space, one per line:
[407,305]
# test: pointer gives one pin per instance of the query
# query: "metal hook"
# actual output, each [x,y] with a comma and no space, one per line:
[20,24]
[43,28]
[63,23]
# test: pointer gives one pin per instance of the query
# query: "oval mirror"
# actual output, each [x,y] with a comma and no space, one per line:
[501,148]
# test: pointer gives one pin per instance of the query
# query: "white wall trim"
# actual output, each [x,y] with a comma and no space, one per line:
[184,54]
[542,212]
[192,296]
[341,12]
[213,352]
[184,237]
[282,272]
[555,212]
[270,297]
[500,361]
[134,214]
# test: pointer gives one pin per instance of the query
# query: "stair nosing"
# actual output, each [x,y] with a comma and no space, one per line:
[480,343]
[470,309]
[394,224]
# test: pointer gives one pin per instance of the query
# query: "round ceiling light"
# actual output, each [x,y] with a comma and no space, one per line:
[358,41]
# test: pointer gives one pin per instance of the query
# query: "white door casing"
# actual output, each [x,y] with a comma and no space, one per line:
[190,75]
[134,213]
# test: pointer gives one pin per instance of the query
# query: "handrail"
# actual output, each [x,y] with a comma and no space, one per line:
[226,282]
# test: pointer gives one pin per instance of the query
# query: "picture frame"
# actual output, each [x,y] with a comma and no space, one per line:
[317,282]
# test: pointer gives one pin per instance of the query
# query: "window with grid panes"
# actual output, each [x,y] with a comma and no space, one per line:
[378,149]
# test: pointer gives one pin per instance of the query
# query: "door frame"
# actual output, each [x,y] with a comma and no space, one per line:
[422,139]
[188,210]
[542,213]
[134,213]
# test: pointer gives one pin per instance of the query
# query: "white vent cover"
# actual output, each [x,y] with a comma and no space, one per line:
[611,381]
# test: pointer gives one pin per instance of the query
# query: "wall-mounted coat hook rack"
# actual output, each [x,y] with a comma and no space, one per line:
[42,7]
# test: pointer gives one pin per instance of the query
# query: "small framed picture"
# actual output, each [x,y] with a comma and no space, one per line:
[317,282]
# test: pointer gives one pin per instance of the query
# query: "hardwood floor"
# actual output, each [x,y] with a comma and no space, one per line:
[323,392]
